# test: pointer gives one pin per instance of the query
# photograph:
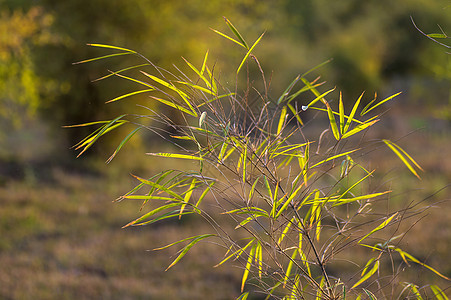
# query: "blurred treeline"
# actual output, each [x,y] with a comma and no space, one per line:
[374,47]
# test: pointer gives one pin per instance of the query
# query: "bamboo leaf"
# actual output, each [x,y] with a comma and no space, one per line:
[243,296]
[100,57]
[283,117]
[359,128]
[288,90]
[122,143]
[204,64]
[341,111]
[332,158]
[352,114]
[380,227]
[195,240]
[247,269]
[213,88]
[236,33]
[204,193]
[197,87]
[120,71]
[170,86]
[159,187]
[251,192]
[289,267]
[228,37]
[151,213]
[129,94]
[295,113]
[438,293]
[318,96]
[401,154]
[249,52]
[406,256]
[288,201]
[333,123]
[367,275]
[285,231]
[174,155]
[106,128]
[237,253]
[111,47]
[365,110]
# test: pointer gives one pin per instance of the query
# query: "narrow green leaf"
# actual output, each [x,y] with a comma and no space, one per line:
[243,296]
[188,194]
[332,158]
[228,37]
[151,213]
[123,142]
[244,162]
[105,129]
[438,293]
[288,201]
[174,155]
[333,123]
[365,111]
[111,47]
[288,89]
[352,114]
[295,113]
[289,267]
[129,94]
[204,64]
[367,275]
[397,150]
[359,128]
[204,193]
[247,269]
[370,294]
[100,57]
[318,97]
[285,231]
[170,86]
[251,192]
[341,111]
[249,52]
[406,256]
[282,118]
[195,240]
[159,187]
[437,35]
[236,33]
[120,71]
[197,87]
[237,253]
[380,227]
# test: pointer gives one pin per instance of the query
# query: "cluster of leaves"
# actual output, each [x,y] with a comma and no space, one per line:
[250,160]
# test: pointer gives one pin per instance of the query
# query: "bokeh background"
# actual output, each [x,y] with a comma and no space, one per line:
[60,233]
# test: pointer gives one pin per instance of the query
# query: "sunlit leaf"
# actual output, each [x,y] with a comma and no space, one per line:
[380,227]
[438,293]
[249,52]
[367,110]
[367,275]
[174,155]
[195,240]
[405,158]
[236,33]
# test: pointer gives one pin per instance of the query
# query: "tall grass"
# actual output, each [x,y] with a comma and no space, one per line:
[297,190]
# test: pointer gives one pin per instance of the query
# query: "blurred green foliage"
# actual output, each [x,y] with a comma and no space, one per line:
[373,44]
